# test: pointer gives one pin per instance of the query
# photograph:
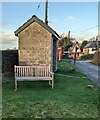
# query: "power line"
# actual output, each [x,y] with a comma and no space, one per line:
[90,28]
[38,7]
[86,29]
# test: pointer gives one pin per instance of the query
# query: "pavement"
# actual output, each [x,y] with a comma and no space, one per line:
[89,69]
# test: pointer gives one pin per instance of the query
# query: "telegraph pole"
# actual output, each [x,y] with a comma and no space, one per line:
[46,12]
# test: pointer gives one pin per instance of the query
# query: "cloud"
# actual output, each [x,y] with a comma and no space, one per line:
[72,19]
[8,39]
[83,36]
[7,36]
[55,21]
[3,24]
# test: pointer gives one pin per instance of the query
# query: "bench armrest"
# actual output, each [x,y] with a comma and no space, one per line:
[52,73]
[16,74]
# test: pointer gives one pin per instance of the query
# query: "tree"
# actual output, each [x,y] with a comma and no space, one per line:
[96,38]
[65,42]
[92,39]
[83,44]
[97,42]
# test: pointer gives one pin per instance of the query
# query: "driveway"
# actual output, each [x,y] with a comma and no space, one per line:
[90,70]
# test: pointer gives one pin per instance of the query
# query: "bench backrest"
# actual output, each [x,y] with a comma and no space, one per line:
[33,71]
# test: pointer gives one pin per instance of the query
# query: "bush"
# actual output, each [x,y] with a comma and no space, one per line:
[87,57]
[96,58]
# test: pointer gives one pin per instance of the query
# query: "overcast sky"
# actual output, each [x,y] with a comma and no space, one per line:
[77,17]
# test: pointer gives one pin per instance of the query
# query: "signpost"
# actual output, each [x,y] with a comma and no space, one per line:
[75,50]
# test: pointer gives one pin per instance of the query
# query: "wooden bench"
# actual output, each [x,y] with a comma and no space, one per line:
[33,73]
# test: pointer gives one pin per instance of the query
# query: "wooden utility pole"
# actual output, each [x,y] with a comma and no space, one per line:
[46,12]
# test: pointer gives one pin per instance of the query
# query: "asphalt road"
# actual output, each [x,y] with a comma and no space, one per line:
[90,70]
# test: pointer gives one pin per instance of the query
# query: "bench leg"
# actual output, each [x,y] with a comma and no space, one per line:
[49,82]
[15,85]
[52,83]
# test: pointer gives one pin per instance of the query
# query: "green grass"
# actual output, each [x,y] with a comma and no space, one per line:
[70,98]
[68,69]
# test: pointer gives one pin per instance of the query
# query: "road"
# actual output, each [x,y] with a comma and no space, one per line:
[90,70]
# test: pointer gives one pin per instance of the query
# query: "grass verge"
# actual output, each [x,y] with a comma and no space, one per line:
[70,98]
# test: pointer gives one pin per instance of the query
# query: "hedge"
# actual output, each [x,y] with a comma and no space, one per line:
[87,57]
[9,59]
[96,58]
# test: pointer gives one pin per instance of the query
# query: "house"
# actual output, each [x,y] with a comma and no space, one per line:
[37,44]
[91,47]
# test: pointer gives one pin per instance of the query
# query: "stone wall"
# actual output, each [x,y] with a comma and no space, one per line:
[34,45]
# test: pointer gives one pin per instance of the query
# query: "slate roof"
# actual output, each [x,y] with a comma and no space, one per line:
[39,21]
[93,44]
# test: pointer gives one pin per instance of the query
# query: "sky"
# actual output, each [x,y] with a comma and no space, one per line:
[76,17]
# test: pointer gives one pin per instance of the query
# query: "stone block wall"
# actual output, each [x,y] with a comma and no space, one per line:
[35,45]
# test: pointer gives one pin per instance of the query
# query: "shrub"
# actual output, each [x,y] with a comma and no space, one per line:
[96,58]
[87,57]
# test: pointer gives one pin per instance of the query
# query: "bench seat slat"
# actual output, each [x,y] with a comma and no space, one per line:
[34,78]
